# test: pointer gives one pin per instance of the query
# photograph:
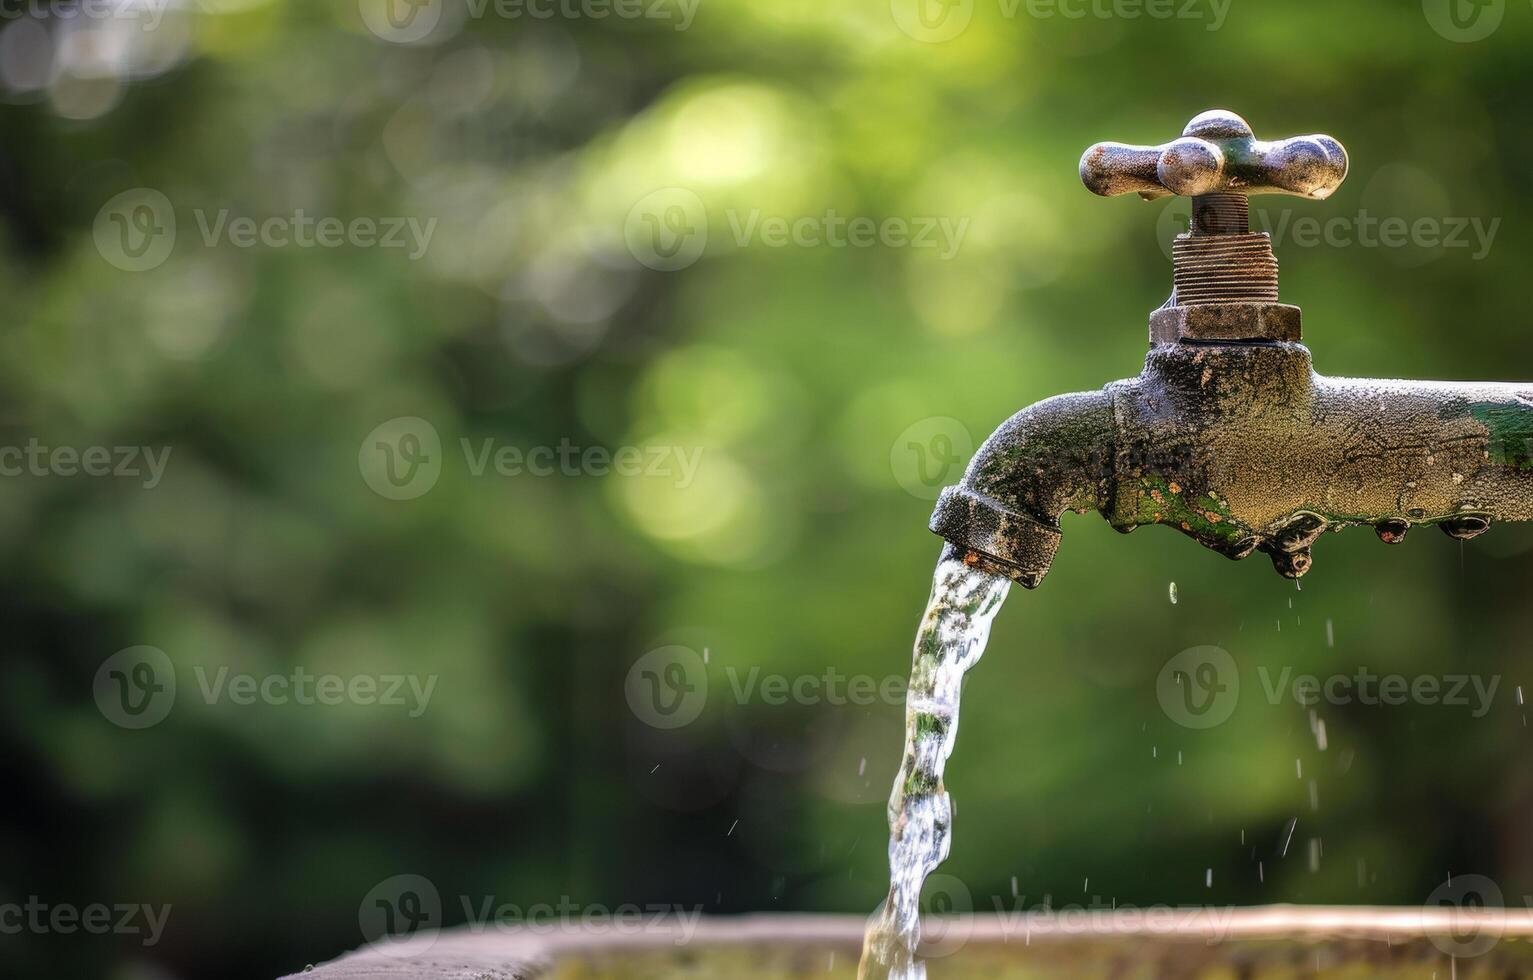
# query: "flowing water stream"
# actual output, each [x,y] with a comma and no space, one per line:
[952,637]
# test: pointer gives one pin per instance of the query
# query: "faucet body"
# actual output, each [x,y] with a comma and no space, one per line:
[1243,447]
[1229,435]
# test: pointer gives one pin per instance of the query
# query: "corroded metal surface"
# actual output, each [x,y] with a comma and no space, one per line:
[1227,321]
[1217,154]
[1244,448]
[1224,268]
[1053,457]
[1229,435]
[1220,262]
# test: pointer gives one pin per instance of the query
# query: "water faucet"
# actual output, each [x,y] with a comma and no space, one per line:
[1229,435]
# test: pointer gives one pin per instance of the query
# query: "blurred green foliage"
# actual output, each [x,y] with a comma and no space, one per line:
[796,550]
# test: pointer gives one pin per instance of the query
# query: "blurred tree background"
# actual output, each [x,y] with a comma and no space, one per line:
[534,147]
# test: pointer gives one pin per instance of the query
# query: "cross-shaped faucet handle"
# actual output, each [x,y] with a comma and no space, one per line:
[1217,154]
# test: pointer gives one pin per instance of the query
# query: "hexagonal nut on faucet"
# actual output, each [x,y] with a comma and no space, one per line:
[1227,321]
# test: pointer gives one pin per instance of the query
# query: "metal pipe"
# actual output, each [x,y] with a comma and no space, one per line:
[1228,434]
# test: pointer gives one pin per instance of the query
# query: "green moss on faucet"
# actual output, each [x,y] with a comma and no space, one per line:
[1511,432]
[1162,501]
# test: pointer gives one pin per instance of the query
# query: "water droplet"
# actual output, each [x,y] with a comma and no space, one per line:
[1173,593]
[1208,878]
[1330,633]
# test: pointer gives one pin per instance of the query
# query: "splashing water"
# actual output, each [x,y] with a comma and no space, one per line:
[964,602]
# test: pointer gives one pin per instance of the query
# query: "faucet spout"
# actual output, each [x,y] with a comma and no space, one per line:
[1047,459]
